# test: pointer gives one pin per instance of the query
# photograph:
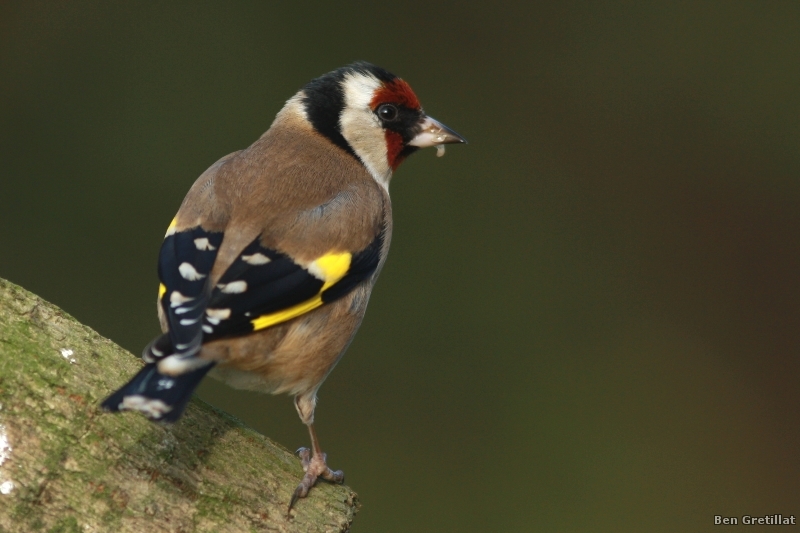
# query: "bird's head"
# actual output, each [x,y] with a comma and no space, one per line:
[373,115]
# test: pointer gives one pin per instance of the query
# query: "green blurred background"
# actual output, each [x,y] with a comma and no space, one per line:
[589,317]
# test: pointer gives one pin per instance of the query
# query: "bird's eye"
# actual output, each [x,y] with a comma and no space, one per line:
[387,112]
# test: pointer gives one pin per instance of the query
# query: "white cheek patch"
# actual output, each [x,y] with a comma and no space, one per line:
[361,128]
[358,89]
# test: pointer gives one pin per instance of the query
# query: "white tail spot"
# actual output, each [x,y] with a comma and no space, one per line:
[152,408]
[175,365]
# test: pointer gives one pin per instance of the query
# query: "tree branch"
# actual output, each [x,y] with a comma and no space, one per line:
[66,466]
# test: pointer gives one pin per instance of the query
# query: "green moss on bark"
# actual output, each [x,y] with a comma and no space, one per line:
[65,466]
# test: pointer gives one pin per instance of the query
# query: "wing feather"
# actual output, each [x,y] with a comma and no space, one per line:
[268,293]
[184,264]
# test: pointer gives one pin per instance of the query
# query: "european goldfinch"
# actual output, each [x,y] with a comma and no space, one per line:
[267,268]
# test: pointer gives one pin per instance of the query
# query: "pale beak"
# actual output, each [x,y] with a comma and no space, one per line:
[434,133]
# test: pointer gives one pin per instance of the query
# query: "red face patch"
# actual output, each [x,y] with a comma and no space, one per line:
[395,92]
[394,145]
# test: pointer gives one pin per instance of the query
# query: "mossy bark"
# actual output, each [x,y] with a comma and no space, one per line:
[65,466]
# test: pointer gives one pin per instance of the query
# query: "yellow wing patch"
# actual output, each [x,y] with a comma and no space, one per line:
[171,227]
[265,321]
[162,290]
[329,268]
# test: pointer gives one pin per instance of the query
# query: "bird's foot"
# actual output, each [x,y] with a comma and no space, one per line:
[315,467]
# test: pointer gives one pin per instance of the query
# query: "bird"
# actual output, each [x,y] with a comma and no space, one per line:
[266,270]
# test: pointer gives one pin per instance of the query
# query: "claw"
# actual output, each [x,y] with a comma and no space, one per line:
[305,458]
[300,492]
[315,467]
[334,476]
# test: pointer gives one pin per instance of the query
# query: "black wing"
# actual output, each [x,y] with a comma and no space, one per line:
[264,287]
[184,263]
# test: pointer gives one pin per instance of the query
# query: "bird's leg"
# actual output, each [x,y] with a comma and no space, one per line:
[315,467]
[313,460]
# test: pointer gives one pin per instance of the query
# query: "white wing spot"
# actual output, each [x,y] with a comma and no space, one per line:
[176,298]
[203,245]
[256,259]
[315,270]
[218,314]
[208,329]
[188,321]
[189,273]
[234,287]
[165,383]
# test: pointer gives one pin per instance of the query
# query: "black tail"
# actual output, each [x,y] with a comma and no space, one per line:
[159,396]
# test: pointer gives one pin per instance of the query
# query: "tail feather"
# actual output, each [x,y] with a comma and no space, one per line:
[158,396]
[157,350]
